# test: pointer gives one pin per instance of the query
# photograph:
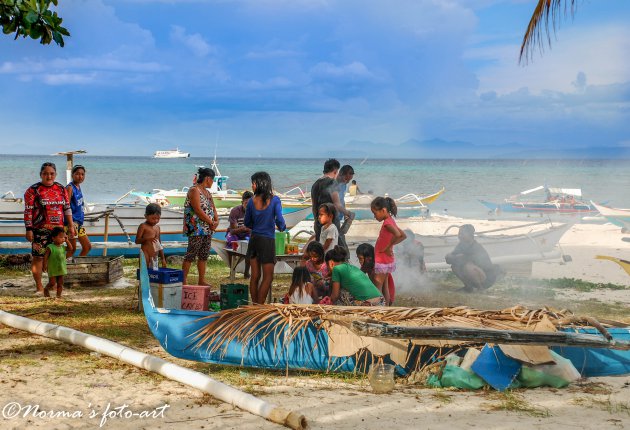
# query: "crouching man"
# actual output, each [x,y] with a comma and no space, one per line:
[470,262]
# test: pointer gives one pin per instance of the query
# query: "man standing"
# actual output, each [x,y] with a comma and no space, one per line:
[471,263]
[325,190]
[343,178]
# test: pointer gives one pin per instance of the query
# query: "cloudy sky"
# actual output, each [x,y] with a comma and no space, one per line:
[292,77]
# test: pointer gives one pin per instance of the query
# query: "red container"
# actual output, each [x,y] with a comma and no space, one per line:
[195,297]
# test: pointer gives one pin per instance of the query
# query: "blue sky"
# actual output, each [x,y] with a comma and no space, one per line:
[312,77]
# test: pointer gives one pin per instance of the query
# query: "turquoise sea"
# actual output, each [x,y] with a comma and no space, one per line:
[466,181]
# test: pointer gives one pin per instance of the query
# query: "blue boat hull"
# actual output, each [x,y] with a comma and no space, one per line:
[175,330]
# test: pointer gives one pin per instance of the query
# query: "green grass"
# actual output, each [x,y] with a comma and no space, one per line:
[514,402]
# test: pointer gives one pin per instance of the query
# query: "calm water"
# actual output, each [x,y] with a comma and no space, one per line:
[466,181]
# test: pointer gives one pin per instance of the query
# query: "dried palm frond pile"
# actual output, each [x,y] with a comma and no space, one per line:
[282,324]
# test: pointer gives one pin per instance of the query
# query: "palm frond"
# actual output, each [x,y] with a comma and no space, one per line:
[282,324]
[545,12]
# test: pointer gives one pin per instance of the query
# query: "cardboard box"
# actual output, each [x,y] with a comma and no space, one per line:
[195,297]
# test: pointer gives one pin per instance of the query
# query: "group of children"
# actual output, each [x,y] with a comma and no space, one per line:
[313,281]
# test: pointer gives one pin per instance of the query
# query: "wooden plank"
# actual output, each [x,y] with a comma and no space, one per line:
[477,335]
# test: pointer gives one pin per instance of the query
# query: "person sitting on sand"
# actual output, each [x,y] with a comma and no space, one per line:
[148,236]
[471,263]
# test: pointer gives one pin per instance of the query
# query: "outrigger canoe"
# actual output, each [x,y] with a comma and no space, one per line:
[319,338]
[564,201]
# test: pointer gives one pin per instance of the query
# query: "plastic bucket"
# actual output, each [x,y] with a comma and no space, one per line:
[381,377]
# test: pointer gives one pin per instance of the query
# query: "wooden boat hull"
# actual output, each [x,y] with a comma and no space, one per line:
[175,330]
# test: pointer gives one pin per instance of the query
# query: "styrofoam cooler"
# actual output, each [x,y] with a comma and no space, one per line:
[195,297]
[242,246]
[167,296]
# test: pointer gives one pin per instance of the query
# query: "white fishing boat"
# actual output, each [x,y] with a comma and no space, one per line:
[617,216]
[171,153]
[517,243]
[114,226]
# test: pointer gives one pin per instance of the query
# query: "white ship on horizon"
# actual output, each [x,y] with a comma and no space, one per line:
[171,153]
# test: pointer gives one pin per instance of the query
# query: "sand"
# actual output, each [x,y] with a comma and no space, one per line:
[32,373]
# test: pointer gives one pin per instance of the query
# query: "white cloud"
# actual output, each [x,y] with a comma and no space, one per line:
[601,53]
[195,42]
[69,78]
[354,70]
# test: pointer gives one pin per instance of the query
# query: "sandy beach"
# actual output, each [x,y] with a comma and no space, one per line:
[60,377]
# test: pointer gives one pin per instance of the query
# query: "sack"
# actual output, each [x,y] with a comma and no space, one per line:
[454,376]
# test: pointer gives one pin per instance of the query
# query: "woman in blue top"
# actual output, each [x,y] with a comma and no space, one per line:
[75,194]
[262,215]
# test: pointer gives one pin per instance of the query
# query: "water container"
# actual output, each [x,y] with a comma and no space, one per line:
[381,377]
[280,242]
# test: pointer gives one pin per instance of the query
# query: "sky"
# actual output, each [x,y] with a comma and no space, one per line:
[291,78]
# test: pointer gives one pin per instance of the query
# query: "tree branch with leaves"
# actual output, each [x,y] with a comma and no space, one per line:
[32,18]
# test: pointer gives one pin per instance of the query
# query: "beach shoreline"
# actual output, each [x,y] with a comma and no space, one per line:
[60,377]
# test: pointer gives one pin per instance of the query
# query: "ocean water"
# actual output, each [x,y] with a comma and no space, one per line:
[466,181]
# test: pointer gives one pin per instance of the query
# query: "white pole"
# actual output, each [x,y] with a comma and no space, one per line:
[217,389]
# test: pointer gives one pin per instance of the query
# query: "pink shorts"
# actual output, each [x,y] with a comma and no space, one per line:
[384,267]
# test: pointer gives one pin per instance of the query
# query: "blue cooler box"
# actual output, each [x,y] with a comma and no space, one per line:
[163,276]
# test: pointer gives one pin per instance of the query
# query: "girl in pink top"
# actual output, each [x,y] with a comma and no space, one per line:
[384,208]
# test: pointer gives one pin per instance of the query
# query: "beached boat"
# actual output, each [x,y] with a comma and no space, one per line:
[624,264]
[513,244]
[409,205]
[619,217]
[171,153]
[319,337]
[113,226]
[557,201]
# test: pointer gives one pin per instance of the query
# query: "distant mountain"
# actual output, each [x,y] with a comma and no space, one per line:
[439,148]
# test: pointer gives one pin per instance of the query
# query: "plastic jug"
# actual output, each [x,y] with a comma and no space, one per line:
[280,242]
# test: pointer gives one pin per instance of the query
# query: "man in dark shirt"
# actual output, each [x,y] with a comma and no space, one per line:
[471,263]
[325,190]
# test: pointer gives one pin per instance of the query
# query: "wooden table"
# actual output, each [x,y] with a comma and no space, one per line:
[235,258]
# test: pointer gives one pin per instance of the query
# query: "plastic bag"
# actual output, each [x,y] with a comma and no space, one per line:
[454,376]
[557,375]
